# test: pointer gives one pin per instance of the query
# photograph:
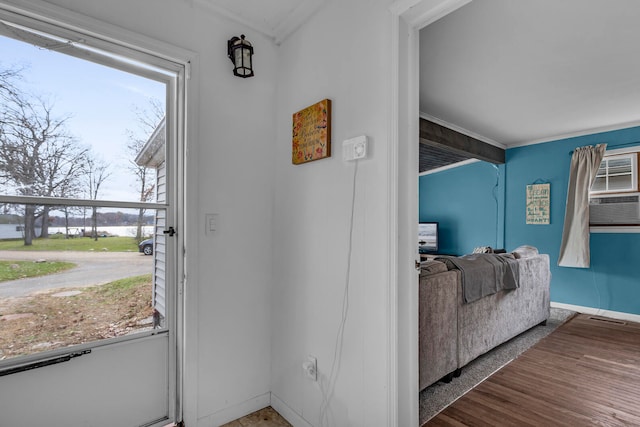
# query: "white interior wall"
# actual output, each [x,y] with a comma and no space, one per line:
[229,172]
[266,289]
[342,53]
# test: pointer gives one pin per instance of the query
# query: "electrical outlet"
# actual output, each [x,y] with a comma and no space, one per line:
[354,148]
[310,367]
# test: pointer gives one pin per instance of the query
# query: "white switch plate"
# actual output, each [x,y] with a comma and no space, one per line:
[210,223]
[354,148]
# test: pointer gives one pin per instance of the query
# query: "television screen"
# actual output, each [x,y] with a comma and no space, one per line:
[428,237]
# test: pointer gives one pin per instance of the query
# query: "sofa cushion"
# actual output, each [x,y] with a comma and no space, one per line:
[525,251]
[507,255]
[432,267]
[447,262]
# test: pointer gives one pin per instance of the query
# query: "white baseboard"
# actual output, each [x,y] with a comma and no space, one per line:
[288,413]
[252,405]
[240,410]
[236,411]
[598,312]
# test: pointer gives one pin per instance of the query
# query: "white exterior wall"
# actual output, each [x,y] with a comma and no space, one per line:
[14,231]
[160,249]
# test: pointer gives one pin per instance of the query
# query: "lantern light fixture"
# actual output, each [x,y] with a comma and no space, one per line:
[240,52]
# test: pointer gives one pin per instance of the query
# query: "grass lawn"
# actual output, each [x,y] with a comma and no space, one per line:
[45,322]
[13,270]
[57,242]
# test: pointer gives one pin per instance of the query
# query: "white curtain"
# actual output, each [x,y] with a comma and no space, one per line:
[574,250]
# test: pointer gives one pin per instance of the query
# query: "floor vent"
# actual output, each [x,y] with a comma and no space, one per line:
[604,319]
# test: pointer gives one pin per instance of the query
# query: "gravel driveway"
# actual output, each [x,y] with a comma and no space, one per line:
[92,268]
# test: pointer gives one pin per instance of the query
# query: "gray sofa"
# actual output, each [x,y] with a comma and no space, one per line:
[452,333]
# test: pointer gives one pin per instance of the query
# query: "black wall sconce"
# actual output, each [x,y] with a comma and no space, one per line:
[240,52]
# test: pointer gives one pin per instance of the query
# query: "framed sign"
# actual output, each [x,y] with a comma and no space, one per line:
[311,138]
[538,203]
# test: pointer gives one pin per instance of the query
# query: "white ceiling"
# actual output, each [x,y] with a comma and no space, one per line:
[518,72]
[508,72]
[273,18]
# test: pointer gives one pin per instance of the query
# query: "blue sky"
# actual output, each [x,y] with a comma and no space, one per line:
[101,102]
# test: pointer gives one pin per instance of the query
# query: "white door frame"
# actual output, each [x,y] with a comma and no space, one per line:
[183,95]
[408,17]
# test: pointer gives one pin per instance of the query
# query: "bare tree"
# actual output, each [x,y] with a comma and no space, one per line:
[61,164]
[8,76]
[96,174]
[147,119]
[8,93]
[38,157]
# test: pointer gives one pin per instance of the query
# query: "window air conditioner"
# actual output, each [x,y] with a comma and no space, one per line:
[615,209]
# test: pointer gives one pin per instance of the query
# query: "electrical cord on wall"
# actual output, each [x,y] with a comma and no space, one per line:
[595,285]
[327,394]
[495,197]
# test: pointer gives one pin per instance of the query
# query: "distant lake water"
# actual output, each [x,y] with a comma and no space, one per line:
[122,231]
[13,231]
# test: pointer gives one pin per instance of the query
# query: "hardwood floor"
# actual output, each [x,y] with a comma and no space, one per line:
[587,372]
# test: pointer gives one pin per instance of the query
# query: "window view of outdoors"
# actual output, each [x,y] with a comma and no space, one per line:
[80,136]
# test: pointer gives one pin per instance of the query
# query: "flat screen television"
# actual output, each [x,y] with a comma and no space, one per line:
[428,237]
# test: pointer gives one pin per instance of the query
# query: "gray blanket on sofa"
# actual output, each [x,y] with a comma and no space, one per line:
[484,274]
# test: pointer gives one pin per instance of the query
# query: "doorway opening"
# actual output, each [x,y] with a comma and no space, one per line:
[90,169]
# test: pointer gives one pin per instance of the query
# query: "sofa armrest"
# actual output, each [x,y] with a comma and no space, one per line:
[437,326]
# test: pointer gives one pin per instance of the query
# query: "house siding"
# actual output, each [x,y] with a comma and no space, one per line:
[160,250]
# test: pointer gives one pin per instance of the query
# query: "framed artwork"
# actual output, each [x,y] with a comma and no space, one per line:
[538,203]
[311,137]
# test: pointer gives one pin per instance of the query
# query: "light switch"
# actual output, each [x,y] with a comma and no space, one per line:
[211,223]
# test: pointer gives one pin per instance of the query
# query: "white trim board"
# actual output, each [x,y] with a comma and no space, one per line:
[287,413]
[550,138]
[626,149]
[234,412]
[176,62]
[598,312]
[250,406]
[420,13]
[462,130]
[451,166]
[407,18]
[295,18]
[614,229]
[74,21]
[561,137]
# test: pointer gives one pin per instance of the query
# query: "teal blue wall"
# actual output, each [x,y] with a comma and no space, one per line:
[613,280]
[468,202]
[461,199]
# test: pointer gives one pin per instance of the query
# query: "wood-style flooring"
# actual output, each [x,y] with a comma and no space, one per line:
[266,417]
[585,373]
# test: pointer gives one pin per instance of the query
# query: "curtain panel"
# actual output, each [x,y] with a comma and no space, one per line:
[574,249]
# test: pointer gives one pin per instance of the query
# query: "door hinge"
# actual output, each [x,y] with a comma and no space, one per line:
[171,231]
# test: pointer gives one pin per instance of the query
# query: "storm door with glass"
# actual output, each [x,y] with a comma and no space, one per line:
[89,156]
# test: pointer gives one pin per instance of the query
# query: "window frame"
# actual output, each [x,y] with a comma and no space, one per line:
[633,157]
[633,152]
[96,36]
